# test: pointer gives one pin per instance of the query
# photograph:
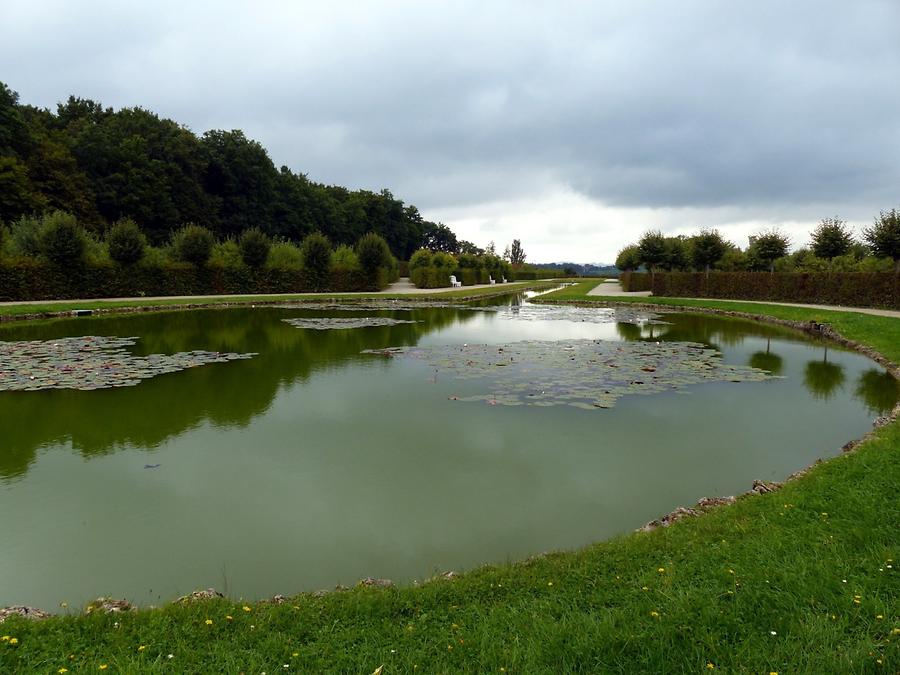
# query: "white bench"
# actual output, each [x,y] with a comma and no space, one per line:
[491,281]
[454,283]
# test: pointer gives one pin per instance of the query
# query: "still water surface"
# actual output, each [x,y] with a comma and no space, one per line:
[312,464]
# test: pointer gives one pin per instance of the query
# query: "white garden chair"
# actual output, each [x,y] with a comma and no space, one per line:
[454,283]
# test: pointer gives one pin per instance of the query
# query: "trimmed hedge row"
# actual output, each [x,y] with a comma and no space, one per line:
[851,289]
[634,282]
[29,279]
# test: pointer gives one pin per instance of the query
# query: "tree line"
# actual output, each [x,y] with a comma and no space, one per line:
[832,247]
[103,165]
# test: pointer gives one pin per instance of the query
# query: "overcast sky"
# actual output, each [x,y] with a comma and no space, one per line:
[572,126]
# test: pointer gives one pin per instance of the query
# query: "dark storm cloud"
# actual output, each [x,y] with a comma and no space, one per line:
[753,105]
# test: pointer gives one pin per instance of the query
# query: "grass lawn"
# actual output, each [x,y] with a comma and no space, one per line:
[802,580]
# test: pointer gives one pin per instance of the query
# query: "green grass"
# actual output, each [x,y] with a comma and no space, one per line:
[790,582]
[13,310]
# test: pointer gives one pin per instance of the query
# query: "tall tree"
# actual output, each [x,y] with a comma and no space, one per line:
[516,254]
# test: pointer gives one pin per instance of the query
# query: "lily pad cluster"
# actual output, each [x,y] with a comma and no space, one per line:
[372,305]
[588,374]
[332,323]
[530,312]
[90,362]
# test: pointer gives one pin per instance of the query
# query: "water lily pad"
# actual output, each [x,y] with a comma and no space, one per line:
[332,323]
[530,312]
[589,374]
[89,363]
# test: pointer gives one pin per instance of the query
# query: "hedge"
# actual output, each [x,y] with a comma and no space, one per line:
[633,282]
[29,279]
[850,289]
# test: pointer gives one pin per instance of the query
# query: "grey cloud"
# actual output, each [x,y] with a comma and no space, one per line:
[760,105]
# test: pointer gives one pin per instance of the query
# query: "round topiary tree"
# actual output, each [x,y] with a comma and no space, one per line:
[884,237]
[255,245]
[373,254]
[707,248]
[62,240]
[629,259]
[652,249]
[315,252]
[126,243]
[193,244]
[421,258]
[767,247]
[831,238]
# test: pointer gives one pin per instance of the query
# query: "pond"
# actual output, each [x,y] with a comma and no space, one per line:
[292,452]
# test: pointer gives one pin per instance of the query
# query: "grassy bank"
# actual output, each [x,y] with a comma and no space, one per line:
[52,308]
[802,580]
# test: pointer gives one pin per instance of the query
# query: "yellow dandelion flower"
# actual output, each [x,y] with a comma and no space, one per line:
[896,631]
[246,609]
[142,647]
[62,670]
[103,666]
[208,622]
[549,583]
[644,588]
[228,617]
[710,666]
[879,616]
[730,571]
[654,614]
[855,601]
[296,654]
[5,638]
[13,641]
[661,570]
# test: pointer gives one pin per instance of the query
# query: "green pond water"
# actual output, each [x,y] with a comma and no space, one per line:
[312,464]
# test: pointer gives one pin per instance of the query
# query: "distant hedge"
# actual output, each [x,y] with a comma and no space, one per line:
[633,282]
[850,289]
[31,279]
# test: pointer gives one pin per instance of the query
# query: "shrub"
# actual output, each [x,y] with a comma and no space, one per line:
[315,253]
[24,237]
[421,258]
[193,244]
[226,254]
[469,261]
[62,241]
[255,245]
[285,256]
[344,258]
[373,254]
[125,242]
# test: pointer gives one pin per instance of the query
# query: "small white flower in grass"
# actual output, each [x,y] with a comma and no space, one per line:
[170,656]
[772,632]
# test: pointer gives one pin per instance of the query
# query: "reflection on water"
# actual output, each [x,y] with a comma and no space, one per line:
[878,390]
[341,465]
[156,410]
